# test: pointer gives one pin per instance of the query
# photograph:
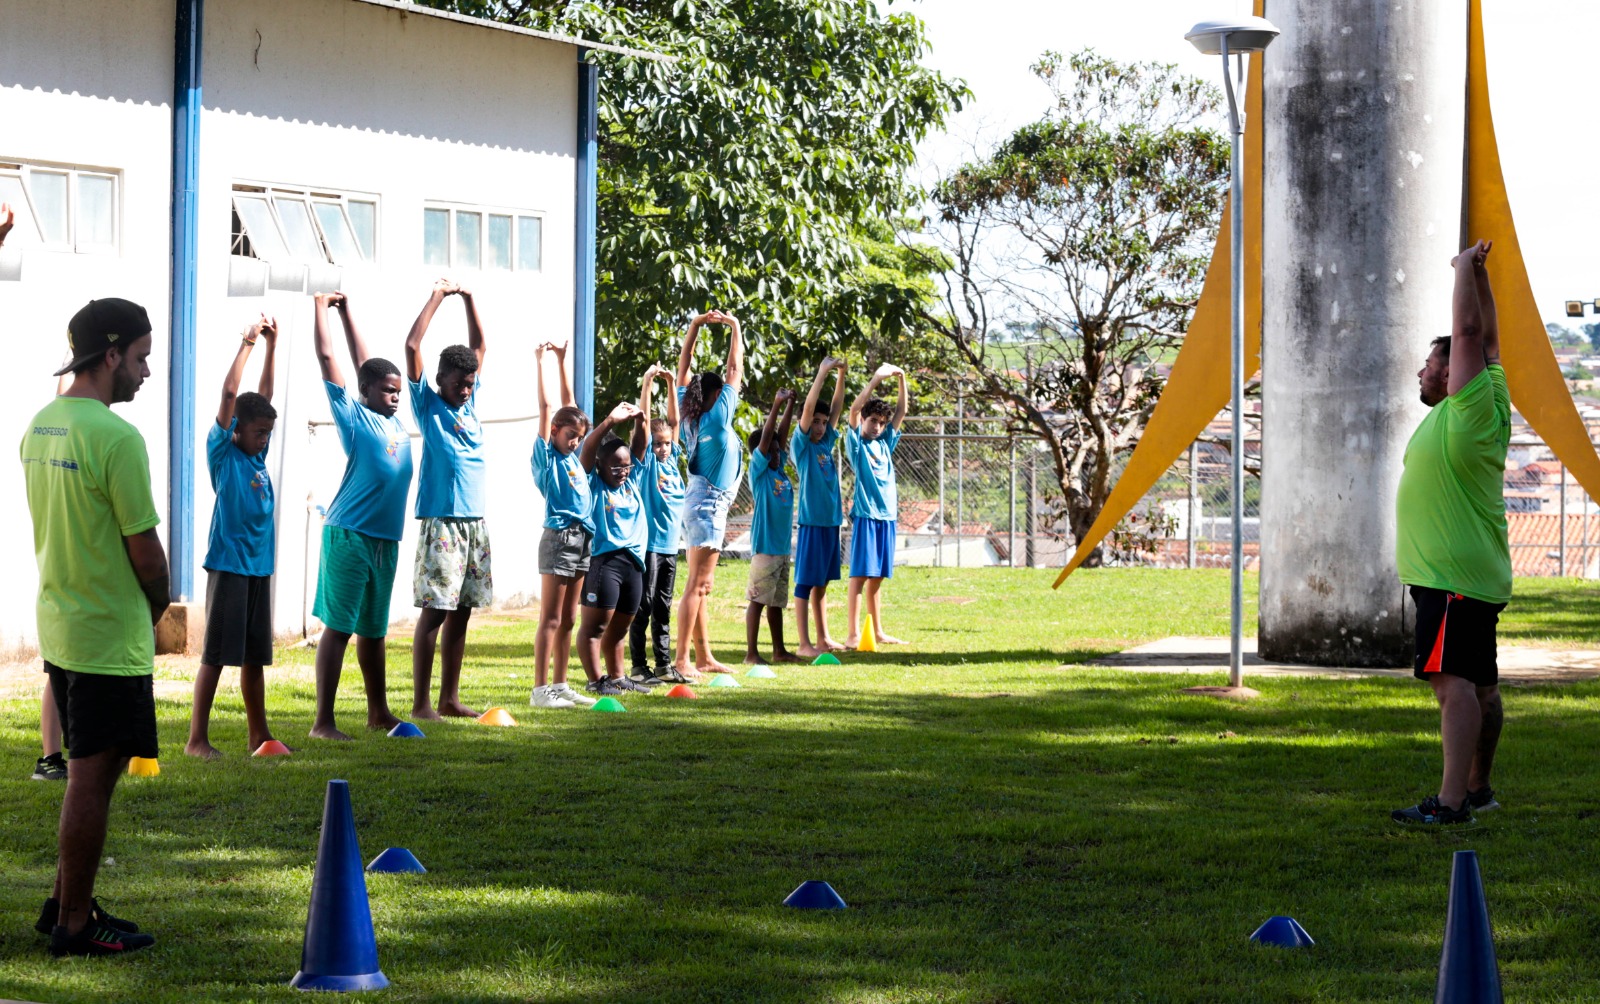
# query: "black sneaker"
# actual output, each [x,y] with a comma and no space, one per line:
[645,678]
[670,674]
[97,915]
[97,939]
[626,684]
[607,687]
[50,768]
[1431,811]
[1482,800]
[593,686]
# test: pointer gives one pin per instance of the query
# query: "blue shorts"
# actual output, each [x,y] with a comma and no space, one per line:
[871,548]
[705,513]
[816,559]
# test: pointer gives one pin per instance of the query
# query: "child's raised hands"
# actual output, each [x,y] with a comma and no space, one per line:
[624,412]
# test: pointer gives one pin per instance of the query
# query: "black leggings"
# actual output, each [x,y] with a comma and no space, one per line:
[655,612]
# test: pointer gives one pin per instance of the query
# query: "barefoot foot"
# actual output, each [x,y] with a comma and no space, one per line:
[327,732]
[888,639]
[808,652]
[455,709]
[848,644]
[204,751]
[752,658]
[426,714]
[785,657]
[382,722]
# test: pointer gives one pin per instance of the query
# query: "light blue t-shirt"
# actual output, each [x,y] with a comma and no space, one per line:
[242,531]
[820,502]
[712,450]
[620,523]
[662,483]
[565,487]
[873,461]
[377,472]
[774,495]
[451,482]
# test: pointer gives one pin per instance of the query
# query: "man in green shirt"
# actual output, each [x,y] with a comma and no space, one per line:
[1451,543]
[102,587]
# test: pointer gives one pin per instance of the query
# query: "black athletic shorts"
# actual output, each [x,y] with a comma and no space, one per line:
[1455,635]
[100,712]
[614,582]
[238,620]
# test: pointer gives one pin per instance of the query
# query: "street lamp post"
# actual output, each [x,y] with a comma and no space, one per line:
[1235,38]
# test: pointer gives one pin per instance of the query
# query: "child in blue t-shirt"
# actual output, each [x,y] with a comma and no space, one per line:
[661,480]
[769,531]
[874,433]
[361,535]
[239,558]
[451,573]
[820,507]
[615,581]
[568,531]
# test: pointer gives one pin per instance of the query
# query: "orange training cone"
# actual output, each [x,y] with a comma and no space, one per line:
[271,748]
[497,716]
[869,638]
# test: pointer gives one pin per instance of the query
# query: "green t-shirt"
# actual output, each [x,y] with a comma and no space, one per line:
[1451,508]
[88,479]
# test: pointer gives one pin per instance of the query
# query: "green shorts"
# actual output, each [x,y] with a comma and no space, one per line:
[354,582]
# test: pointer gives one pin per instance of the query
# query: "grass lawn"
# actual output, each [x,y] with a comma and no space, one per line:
[1003,829]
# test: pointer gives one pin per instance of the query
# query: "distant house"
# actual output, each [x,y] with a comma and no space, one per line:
[1536,544]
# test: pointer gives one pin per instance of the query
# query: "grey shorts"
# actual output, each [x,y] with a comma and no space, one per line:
[564,552]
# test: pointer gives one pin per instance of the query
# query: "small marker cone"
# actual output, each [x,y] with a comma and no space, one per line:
[272,748]
[1285,932]
[140,766]
[722,680]
[406,730]
[395,859]
[497,716]
[869,636]
[1468,972]
[761,673]
[682,690]
[825,659]
[814,895]
[341,950]
[607,704]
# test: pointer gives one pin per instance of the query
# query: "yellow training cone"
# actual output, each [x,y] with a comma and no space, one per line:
[869,640]
[497,716]
[143,766]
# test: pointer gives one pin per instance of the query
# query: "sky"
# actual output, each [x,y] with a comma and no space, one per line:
[1542,88]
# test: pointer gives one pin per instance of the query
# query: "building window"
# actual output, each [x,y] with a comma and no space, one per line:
[310,227]
[490,240]
[62,208]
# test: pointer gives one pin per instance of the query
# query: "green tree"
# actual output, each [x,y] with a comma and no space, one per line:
[755,172]
[1090,230]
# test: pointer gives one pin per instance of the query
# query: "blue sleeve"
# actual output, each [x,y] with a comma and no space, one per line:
[828,439]
[540,462]
[340,404]
[419,398]
[758,465]
[891,435]
[799,444]
[218,442]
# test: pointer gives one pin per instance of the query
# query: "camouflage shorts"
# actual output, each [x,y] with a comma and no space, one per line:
[452,568]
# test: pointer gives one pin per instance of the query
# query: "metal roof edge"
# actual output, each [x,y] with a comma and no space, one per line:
[411,7]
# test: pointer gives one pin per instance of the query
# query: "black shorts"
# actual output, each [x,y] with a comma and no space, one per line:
[100,712]
[614,582]
[238,620]
[1455,635]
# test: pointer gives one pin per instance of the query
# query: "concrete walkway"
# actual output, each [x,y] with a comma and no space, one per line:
[1519,664]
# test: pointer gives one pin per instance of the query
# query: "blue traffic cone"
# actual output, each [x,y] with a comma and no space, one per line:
[395,859]
[405,730]
[341,951]
[1285,932]
[1468,973]
[815,895]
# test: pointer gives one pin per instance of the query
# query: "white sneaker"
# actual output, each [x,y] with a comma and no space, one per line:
[549,697]
[571,696]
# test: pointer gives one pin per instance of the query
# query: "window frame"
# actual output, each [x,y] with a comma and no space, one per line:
[484,212]
[241,244]
[23,171]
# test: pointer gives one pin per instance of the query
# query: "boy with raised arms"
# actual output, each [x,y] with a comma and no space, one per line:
[820,508]
[769,530]
[661,480]
[874,433]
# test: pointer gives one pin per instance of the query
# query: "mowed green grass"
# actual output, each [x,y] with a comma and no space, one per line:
[1003,826]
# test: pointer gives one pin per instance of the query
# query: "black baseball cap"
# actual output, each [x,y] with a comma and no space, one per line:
[102,324]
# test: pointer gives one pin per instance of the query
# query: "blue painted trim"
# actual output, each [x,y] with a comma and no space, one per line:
[583,272]
[185,250]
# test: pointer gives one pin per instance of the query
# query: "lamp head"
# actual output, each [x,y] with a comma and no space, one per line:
[1244,35]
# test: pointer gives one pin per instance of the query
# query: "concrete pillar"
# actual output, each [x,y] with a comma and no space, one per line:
[1364,135]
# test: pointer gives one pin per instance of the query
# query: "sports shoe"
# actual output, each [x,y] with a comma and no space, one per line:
[548,697]
[645,678]
[1431,812]
[627,684]
[670,674]
[1482,800]
[605,687]
[97,939]
[51,910]
[574,696]
[50,768]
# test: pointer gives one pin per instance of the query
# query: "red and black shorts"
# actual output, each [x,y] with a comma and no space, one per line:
[1456,635]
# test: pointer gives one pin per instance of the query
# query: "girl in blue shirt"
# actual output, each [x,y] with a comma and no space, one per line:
[614,584]
[874,433]
[706,403]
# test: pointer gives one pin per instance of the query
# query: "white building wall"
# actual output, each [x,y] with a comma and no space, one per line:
[350,97]
[90,90]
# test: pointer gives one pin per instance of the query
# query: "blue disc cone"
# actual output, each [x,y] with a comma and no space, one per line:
[405,730]
[1468,972]
[395,859]
[1285,932]
[341,951]
[815,895]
